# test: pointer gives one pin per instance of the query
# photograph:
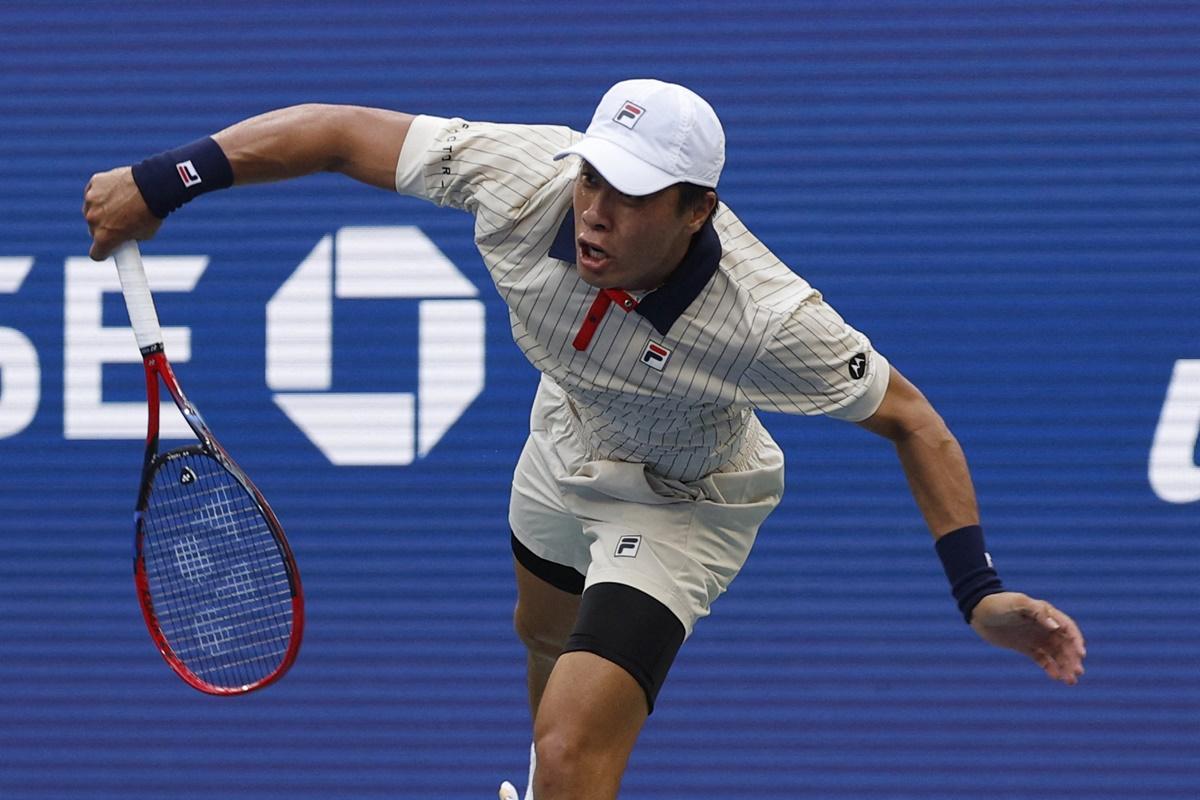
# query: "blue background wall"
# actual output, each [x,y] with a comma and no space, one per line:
[1004,195]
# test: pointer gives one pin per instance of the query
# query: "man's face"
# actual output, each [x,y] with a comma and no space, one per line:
[628,242]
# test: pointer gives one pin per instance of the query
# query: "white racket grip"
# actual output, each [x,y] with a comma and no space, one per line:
[137,295]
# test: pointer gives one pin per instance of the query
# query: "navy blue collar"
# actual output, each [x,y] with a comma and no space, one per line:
[667,303]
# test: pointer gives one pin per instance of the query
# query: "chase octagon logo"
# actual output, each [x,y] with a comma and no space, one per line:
[375,428]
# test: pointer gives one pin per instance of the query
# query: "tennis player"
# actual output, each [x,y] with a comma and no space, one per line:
[659,324]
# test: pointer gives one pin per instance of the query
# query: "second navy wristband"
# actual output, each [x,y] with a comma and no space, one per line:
[968,567]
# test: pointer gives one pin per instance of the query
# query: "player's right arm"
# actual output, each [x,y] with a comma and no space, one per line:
[363,143]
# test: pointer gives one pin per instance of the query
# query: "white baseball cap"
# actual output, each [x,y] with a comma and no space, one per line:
[647,135]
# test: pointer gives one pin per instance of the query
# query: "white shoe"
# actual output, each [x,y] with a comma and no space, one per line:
[509,792]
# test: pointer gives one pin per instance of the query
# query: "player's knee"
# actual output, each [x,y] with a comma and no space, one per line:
[565,760]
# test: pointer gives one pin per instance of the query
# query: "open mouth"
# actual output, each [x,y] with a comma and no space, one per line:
[591,256]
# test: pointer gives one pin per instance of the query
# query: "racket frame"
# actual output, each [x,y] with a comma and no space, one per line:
[157,367]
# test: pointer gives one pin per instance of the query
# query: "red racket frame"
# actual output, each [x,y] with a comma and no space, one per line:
[157,366]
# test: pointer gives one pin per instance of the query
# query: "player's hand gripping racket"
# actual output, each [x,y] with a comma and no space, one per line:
[215,577]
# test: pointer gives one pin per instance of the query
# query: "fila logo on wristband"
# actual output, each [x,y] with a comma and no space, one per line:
[187,173]
[168,180]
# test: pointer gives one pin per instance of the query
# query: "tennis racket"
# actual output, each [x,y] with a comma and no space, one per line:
[215,577]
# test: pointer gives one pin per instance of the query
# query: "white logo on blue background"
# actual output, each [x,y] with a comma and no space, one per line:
[375,428]
[1173,472]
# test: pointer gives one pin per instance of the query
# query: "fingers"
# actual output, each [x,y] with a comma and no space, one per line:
[1058,668]
[1051,667]
[1043,633]
[115,212]
[1062,652]
[103,242]
[101,247]
[1065,630]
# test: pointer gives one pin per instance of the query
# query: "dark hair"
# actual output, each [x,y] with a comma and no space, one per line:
[692,195]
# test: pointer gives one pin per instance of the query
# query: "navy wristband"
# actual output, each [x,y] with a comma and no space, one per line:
[968,567]
[170,179]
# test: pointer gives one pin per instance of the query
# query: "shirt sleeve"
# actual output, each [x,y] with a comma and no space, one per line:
[484,168]
[815,363]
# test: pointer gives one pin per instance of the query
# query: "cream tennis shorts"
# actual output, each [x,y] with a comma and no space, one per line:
[682,543]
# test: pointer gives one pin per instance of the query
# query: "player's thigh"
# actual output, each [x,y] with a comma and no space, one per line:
[592,709]
[545,614]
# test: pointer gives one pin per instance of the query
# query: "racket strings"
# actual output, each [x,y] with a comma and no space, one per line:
[217,577]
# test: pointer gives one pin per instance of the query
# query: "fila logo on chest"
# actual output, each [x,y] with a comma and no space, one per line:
[655,356]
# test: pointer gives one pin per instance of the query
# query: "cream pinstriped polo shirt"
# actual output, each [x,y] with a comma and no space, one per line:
[673,382]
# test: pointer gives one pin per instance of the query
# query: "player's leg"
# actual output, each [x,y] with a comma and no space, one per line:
[588,721]
[601,691]
[545,615]
[548,546]
[548,549]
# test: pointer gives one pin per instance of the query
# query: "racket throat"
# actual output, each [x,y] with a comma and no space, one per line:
[153,405]
[155,362]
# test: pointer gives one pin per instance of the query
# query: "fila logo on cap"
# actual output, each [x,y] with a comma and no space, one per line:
[655,356]
[858,366]
[629,114]
[627,546]
[187,173]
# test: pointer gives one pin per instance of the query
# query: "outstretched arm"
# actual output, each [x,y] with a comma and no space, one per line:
[363,143]
[937,473]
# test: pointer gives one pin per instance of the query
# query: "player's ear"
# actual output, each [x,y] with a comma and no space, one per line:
[696,205]
[708,205]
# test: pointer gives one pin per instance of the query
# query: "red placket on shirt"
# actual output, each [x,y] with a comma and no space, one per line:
[604,299]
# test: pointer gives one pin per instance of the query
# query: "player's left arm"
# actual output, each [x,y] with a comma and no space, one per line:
[937,473]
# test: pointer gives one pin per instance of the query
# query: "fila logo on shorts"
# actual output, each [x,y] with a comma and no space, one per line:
[187,173]
[655,356]
[629,114]
[627,546]
[858,366]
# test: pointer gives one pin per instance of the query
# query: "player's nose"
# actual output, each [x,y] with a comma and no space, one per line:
[596,212]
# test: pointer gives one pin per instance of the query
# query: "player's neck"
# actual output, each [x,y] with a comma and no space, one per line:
[656,278]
